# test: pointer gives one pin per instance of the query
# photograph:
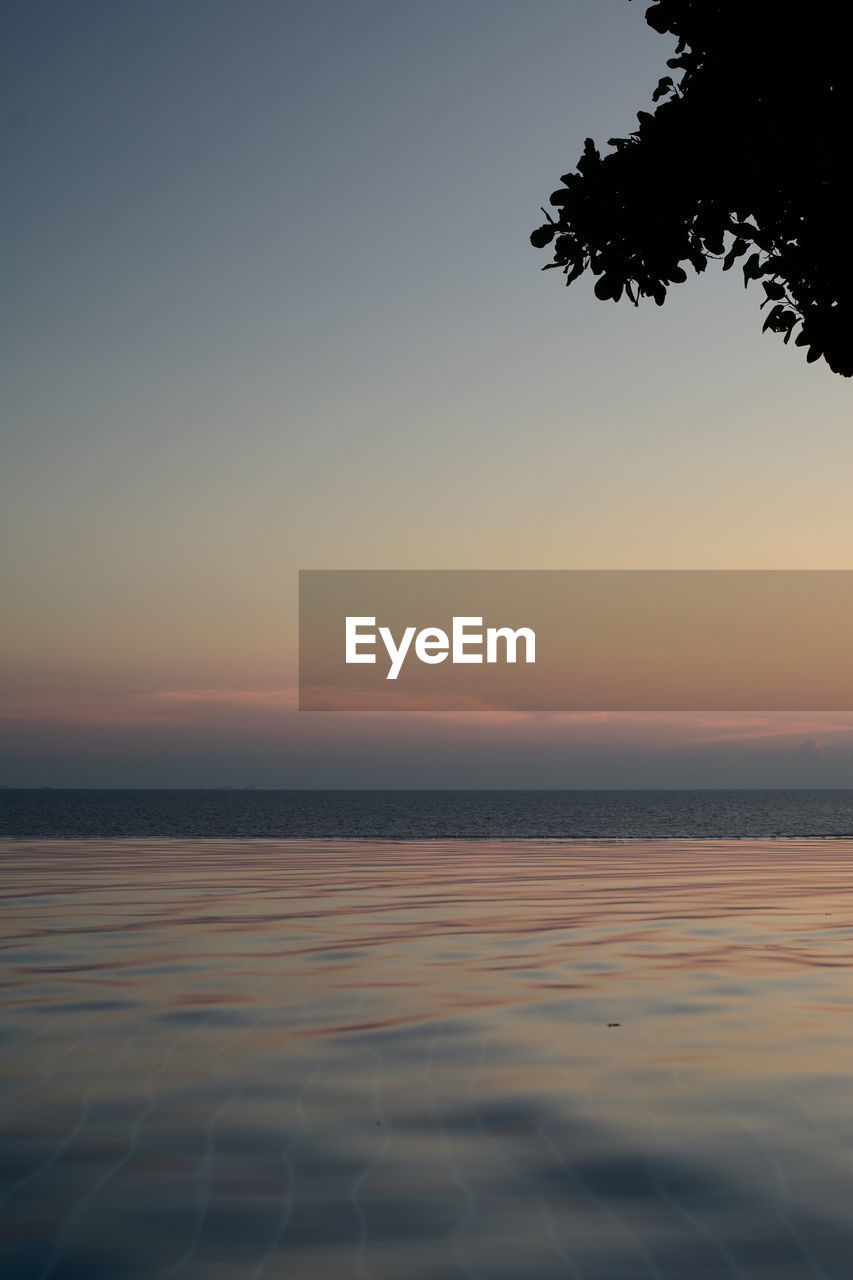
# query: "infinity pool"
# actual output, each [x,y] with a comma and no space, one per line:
[415,1061]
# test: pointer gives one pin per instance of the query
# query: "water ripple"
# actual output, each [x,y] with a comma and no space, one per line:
[426,1059]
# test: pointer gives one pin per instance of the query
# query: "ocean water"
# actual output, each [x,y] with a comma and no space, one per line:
[236,1060]
[425,815]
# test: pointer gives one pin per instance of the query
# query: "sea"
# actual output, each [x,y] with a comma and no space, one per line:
[426,1035]
[424,815]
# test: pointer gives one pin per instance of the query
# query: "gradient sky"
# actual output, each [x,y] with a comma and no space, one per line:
[269,303]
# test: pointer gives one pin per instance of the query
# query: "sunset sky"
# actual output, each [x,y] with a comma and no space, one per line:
[269,303]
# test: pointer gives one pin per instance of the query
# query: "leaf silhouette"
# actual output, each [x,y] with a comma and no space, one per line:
[746,154]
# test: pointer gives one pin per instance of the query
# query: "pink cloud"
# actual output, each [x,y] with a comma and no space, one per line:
[261,709]
[163,707]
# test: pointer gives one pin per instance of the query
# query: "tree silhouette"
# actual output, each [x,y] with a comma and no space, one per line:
[746,155]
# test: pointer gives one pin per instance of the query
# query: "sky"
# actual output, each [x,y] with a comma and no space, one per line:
[269,303]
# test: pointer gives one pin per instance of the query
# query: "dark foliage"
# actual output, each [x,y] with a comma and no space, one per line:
[745,156]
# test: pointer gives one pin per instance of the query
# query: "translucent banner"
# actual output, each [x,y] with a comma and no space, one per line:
[576,640]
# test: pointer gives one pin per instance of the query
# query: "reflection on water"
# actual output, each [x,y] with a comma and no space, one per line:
[502,1060]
